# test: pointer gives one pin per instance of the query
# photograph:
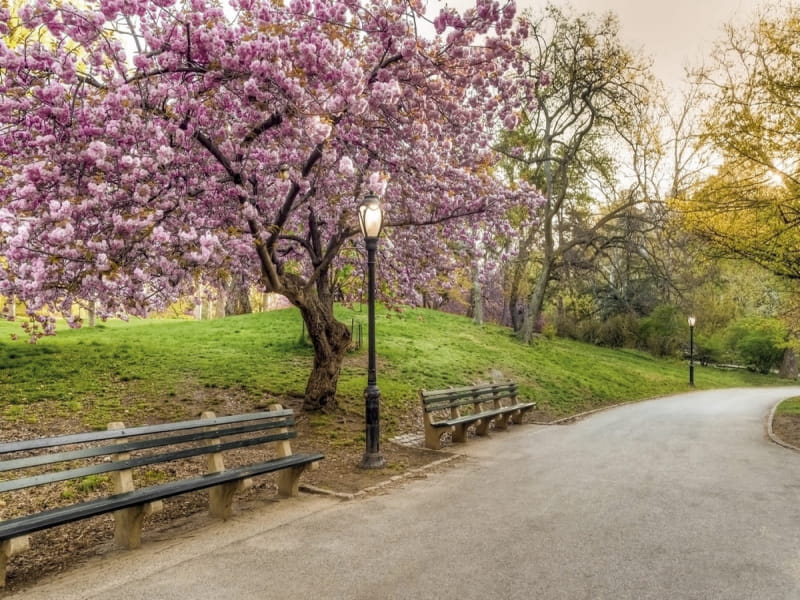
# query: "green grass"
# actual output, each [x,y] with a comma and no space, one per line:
[143,371]
[80,487]
[789,407]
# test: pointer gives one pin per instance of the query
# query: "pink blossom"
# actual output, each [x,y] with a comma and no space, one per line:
[159,236]
[318,130]
[510,121]
[378,183]
[346,166]
[97,150]
[165,155]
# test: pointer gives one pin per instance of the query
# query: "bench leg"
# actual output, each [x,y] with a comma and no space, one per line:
[3,564]
[9,548]
[433,437]
[460,433]
[517,417]
[482,428]
[289,481]
[220,498]
[128,524]
[501,421]
[522,412]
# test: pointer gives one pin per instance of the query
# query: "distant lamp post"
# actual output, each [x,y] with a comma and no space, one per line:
[370,217]
[692,321]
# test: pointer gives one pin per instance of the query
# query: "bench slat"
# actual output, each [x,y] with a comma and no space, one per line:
[94,436]
[450,392]
[484,414]
[458,396]
[26,482]
[47,459]
[444,405]
[58,516]
[467,392]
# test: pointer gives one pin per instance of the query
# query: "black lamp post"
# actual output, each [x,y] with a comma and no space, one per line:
[692,321]
[370,217]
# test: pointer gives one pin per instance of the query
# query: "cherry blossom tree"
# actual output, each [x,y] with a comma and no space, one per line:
[150,147]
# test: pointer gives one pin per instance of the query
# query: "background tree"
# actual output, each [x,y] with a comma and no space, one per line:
[643,258]
[587,87]
[193,144]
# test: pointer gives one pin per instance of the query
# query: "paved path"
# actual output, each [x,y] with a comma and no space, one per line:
[676,498]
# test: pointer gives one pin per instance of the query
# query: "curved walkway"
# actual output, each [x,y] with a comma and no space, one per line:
[682,497]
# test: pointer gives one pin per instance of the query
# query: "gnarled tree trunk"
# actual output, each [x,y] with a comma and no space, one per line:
[330,340]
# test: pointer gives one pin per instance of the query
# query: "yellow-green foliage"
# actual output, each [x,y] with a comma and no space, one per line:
[749,207]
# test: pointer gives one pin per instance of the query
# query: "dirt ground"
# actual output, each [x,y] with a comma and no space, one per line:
[787,428]
[66,547]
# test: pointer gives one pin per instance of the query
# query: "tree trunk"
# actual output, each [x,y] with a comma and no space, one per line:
[330,339]
[92,313]
[513,306]
[788,365]
[237,297]
[533,310]
[476,300]
[518,270]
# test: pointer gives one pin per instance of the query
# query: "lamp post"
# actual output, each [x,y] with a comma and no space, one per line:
[370,217]
[692,321]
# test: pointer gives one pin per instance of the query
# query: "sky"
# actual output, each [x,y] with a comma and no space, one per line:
[673,32]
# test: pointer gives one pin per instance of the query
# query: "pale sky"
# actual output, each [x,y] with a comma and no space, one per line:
[673,32]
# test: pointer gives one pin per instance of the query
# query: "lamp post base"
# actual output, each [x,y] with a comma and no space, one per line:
[372,460]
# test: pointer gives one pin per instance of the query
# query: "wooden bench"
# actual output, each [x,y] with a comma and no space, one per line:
[456,409]
[119,451]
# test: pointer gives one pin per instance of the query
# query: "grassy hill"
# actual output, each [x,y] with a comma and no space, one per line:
[144,371]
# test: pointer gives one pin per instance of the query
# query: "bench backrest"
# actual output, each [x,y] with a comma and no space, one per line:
[433,400]
[168,442]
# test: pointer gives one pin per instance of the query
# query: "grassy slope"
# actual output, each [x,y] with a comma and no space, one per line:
[149,370]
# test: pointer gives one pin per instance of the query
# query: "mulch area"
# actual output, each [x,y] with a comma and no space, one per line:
[787,428]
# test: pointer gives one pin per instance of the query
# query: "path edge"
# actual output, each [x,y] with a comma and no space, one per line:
[771,432]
